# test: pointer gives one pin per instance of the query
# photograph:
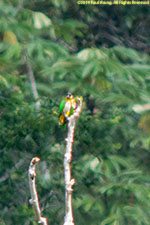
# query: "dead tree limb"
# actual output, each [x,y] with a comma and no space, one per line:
[69,182]
[34,195]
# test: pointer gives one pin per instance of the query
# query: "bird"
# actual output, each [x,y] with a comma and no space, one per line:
[66,108]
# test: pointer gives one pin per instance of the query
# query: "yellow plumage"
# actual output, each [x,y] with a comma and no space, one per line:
[67,107]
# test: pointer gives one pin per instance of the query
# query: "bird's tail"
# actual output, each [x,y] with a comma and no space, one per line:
[61,119]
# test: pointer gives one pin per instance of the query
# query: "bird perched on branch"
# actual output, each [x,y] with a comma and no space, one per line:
[66,108]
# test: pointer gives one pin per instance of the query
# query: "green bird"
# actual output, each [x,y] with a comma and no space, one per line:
[66,108]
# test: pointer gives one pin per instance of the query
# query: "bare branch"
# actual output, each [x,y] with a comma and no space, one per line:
[32,80]
[34,195]
[68,220]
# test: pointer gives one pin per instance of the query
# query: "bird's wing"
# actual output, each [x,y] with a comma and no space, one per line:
[62,105]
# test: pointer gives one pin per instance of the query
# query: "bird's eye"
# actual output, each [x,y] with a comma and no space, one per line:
[69,95]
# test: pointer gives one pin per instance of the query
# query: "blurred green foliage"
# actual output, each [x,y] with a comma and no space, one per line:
[97,53]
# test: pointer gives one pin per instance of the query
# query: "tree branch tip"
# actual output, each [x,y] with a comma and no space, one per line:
[80,99]
[34,161]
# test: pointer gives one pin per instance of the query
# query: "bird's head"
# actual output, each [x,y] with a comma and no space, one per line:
[69,96]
